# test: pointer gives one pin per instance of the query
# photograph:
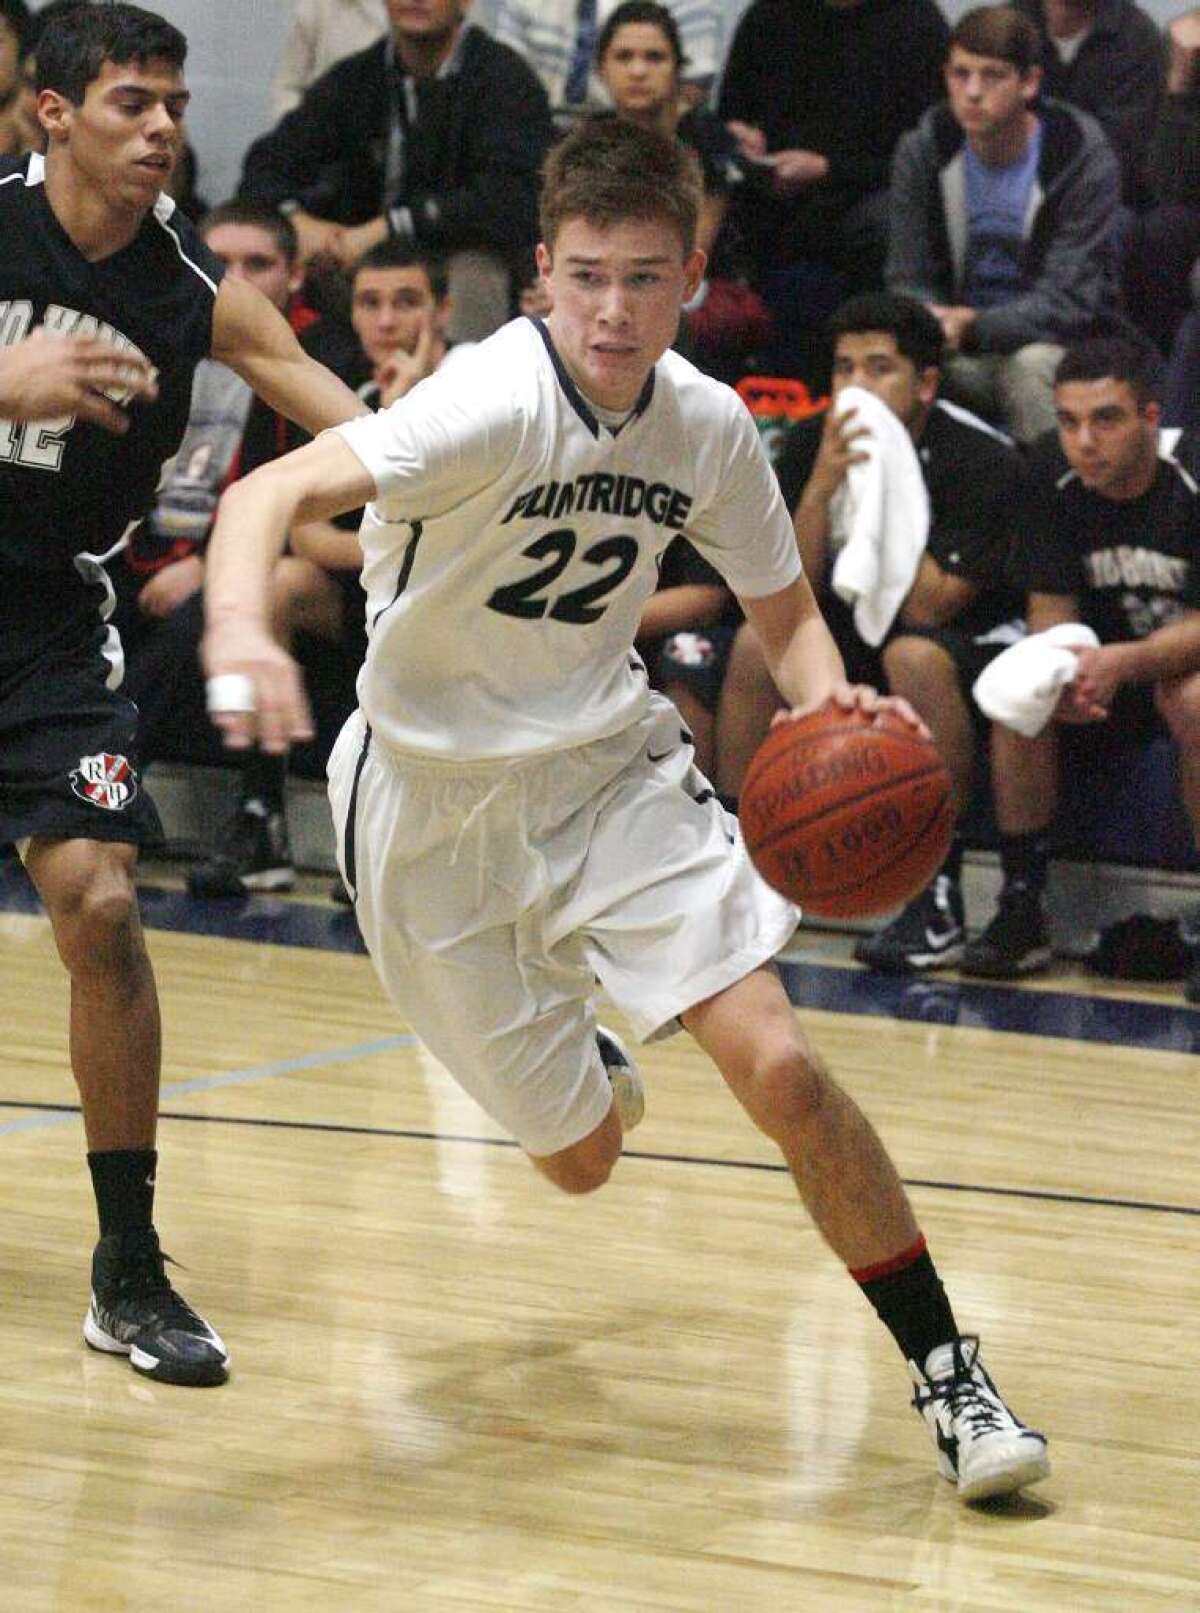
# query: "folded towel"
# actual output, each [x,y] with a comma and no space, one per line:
[881,514]
[1020,688]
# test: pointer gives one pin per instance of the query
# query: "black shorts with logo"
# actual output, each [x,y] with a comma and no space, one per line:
[68,755]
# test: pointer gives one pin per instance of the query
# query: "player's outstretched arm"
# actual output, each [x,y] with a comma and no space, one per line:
[805,661]
[253,338]
[255,693]
[47,375]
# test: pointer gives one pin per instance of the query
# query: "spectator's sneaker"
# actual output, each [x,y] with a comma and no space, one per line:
[1015,943]
[628,1092]
[930,933]
[135,1312]
[982,1448]
[255,857]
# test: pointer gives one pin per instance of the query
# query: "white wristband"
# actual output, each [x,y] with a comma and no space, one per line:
[230,691]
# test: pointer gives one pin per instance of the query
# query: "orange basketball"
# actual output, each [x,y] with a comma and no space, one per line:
[846,814]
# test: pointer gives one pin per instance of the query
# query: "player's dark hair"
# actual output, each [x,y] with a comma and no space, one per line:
[918,334]
[1112,358]
[16,14]
[652,15]
[397,254]
[999,31]
[608,170]
[254,215]
[78,41]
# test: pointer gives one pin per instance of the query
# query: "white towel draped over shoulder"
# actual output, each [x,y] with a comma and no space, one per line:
[881,516]
[1020,688]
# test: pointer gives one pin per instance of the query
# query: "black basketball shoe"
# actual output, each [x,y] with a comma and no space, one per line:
[255,856]
[1015,943]
[929,934]
[135,1312]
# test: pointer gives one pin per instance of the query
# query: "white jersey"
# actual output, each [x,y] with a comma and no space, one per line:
[514,540]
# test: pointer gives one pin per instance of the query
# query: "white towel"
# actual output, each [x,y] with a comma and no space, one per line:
[1020,688]
[881,512]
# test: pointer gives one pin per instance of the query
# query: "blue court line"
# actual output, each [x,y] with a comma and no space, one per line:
[233,1078]
[940,1000]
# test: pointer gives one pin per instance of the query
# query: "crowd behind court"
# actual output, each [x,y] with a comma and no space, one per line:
[961,257]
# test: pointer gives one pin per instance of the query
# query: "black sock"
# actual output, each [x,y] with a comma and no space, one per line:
[952,867]
[263,779]
[123,1180]
[1025,861]
[910,1301]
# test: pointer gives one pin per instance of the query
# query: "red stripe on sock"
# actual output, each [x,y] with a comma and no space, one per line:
[885,1268]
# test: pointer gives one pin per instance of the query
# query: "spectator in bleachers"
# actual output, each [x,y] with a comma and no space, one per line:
[1107,57]
[321,33]
[559,38]
[1003,222]
[958,613]
[13,16]
[1113,541]
[1164,244]
[818,95]
[433,135]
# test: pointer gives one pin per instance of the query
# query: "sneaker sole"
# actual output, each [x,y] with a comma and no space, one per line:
[1007,1480]
[193,1377]
[1030,964]
[629,1095]
[914,962]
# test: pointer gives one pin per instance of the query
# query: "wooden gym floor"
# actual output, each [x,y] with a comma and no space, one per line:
[455,1390]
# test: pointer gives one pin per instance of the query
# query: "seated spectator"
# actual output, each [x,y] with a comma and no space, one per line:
[558,38]
[433,135]
[1106,56]
[639,58]
[320,34]
[400,310]
[1003,215]
[1113,541]
[958,614]
[819,95]
[14,14]
[1162,245]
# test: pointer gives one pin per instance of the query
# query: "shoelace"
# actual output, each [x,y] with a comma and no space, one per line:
[970,1401]
[144,1276]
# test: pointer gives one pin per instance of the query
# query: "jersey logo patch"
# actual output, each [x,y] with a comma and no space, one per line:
[106,781]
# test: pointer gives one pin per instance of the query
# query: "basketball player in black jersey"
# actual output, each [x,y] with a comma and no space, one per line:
[108,300]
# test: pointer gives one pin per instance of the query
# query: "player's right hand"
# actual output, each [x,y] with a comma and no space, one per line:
[48,375]
[255,691]
[843,443]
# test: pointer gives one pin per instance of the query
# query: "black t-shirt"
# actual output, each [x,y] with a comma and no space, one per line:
[975,482]
[68,487]
[1132,564]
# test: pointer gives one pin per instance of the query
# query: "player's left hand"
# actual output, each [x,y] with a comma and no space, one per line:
[255,691]
[1089,696]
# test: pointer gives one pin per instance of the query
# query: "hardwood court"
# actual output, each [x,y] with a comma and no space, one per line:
[455,1390]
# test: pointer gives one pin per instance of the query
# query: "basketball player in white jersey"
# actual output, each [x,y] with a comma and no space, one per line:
[517,812]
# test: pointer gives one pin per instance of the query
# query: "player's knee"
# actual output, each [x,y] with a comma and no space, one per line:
[95,919]
[586,1165]
[916,662]
[789,1090]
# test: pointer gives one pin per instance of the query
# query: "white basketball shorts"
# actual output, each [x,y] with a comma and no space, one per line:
[493,896]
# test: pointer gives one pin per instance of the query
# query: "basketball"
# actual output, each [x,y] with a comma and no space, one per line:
[846,813]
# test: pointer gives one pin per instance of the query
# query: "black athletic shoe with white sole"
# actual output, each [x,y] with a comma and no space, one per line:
[929,934]
[254,856]
[1015,943]
[982,1448]
[135,1312]
[628,1092]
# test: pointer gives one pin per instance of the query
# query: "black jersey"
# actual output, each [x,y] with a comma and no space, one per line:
[67,487]
[1132,564]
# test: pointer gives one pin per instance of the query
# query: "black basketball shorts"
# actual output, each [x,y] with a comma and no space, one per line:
[68,756]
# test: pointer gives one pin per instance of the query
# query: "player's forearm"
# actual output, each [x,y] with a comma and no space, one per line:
[253,519]
[307,393]
[1169,652]
[810,665]
[811,521]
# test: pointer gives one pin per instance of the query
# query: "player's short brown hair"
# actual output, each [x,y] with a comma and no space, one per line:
[608,170]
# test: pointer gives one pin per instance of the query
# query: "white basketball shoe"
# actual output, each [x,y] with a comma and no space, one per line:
[982,1448]
[629,1095]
